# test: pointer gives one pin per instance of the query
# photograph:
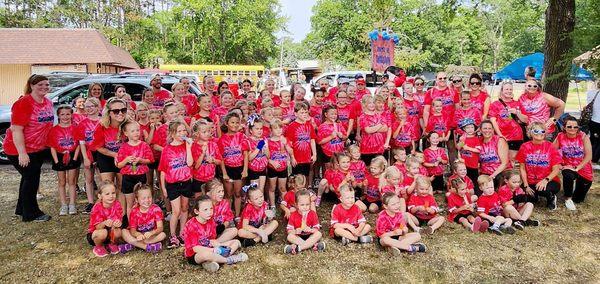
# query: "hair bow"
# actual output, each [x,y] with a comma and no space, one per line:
[245,188]
[252,118]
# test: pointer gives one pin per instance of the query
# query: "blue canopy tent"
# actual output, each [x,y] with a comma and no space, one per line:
[516,70]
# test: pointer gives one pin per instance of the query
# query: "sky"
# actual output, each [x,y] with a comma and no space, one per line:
[298,12]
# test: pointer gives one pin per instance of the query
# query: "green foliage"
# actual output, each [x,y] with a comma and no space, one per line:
[432,33]
[191,32]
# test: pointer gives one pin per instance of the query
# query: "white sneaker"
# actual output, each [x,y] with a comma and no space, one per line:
[64,210]
[72,209]
[39,196]
[596,166]
[570,205]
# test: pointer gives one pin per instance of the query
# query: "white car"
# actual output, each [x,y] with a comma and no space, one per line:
[333,79]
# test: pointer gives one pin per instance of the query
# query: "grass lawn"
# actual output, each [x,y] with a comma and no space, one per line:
[564,249]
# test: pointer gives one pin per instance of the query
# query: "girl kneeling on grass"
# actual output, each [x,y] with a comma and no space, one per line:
[462,208]
[391,228]
[515,201]
[303,227]
[222,215]
[105,221]
[489,207]
[256,220]
[145,222]
[201,243]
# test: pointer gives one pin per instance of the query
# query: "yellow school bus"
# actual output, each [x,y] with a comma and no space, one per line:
[221,72]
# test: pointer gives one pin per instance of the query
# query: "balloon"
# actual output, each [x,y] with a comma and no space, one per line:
[385,35]
[396,39]
[373,35]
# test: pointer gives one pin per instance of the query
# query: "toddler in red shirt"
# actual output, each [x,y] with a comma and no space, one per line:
[65,158]
[303,227]
[337,177]
[132,159]
[288,202]
[423,207]
[257,222]
[347,221]
[104,230]
[222,214]
[489,207]
[515,201]
[436,160]
[469,147]
[357,168]
[145,229]
[392,230]
[462,207]
[201,244]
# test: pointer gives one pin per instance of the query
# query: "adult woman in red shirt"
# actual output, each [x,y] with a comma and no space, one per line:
[539,164]
[537,105]
[576,151]
[31,120]
[493,157]
[505,116]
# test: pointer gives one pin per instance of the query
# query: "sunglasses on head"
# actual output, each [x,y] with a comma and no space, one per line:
[532,86]
[477,83]
[538,131]
[119,110]
[572,127]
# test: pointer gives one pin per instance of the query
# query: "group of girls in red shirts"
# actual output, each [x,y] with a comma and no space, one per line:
[222,153]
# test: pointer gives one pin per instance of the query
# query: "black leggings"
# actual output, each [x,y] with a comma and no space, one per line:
[581,185]
[473,174]
[595,139]
[27,204]
[438,183]
[552,188]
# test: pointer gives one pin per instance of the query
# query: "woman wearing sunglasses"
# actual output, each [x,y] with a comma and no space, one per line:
[539,164]
[479,97]
[536,105]
[107,142]
[576,150]
[446,95]
[420,90]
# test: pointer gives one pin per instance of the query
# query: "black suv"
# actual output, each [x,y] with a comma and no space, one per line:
[134,84]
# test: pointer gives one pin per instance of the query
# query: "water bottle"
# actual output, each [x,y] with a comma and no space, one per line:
[223,251]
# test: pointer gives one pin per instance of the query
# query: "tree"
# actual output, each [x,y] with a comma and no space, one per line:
[560,23]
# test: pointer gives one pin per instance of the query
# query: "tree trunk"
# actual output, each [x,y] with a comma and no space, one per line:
[560,23]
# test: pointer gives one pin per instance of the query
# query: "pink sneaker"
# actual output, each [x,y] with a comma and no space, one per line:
[99,251]
[112,248]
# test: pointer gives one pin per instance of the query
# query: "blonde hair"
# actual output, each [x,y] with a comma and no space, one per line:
[175,86]
[94,101]
[456,183]
[265,110]
[483,179]
[422,181]
[276,123]
[212,185]
[390,172]
[173,125]
[105,120]
[379,162]
[140,187]
[297,182]
[365,100]
[534,125]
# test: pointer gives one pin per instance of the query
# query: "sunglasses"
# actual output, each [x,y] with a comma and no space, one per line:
[419,84]
[456,81]
[342,97]
[442,78]
[572,127]
[477,83]
[532,86]
[119,110]
[538,131]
